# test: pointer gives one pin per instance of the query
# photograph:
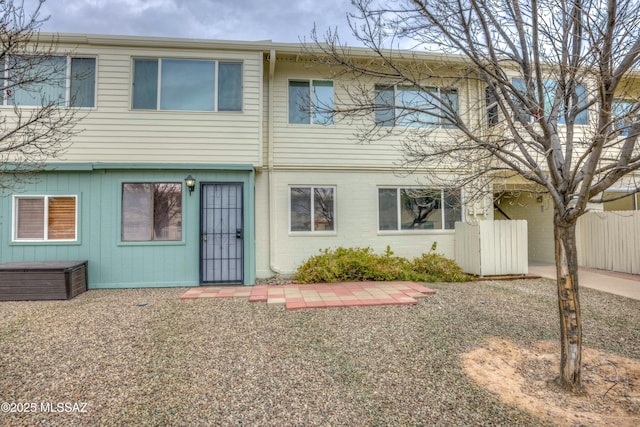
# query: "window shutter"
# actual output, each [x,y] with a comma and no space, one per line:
[62,218]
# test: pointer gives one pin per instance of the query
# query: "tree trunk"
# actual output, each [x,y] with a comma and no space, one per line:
[568,305]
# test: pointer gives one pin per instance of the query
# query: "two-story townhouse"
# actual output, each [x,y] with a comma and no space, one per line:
[157,111]
[328,189]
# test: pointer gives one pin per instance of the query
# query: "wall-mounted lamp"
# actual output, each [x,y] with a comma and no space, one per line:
[191,183]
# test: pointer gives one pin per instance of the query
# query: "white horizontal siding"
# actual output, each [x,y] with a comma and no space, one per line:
[335,145]
[114,133]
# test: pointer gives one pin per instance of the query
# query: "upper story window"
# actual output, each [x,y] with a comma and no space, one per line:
[45,218]
[186,85]
[311,102]
[312,209]
[151,211]
[549,87]
[623,109]
[418,209]
[492,108]
[412,106]
[58,80]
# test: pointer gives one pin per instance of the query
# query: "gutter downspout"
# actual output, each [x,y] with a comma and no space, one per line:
[270,156]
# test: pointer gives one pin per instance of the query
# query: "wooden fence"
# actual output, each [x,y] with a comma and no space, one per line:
[488,248]
[609,241]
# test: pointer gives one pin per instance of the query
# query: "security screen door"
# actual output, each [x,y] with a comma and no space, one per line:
[221,233]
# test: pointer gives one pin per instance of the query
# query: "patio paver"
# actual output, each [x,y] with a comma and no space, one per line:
[323,295]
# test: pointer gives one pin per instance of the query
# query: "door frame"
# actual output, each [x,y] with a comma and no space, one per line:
[200,231]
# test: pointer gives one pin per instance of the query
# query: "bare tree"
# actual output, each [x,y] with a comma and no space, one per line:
[36,111]
[551,90]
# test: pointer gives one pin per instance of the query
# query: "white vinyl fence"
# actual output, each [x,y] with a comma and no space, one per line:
[488,248]
[609,241]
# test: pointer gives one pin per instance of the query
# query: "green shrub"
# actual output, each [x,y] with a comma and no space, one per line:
[362,264]
[439,268]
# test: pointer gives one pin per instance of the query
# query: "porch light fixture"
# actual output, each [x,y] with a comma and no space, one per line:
[191,183]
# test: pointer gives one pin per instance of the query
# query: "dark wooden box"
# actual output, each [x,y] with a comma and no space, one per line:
[45,280]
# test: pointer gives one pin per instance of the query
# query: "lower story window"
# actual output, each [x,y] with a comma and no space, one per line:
[312,209]
[418,209]
[46,218]
[151,211]
[621,201]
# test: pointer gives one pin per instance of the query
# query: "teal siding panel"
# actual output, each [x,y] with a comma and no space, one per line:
[116,264]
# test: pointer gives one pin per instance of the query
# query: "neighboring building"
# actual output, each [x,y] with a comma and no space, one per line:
[275,181]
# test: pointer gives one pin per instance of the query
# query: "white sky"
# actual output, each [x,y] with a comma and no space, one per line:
[279,20]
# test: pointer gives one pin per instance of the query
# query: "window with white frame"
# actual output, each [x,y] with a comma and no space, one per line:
[151,211]
[58,80]
[549,88]
[311,102]
[186,85]
[413,106]
[312,208]
[418,209]
[45,218]
[626,110]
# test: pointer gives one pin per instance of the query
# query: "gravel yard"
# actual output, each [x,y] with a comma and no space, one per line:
[209,362]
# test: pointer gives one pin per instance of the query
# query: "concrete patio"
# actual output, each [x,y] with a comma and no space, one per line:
[626,285]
